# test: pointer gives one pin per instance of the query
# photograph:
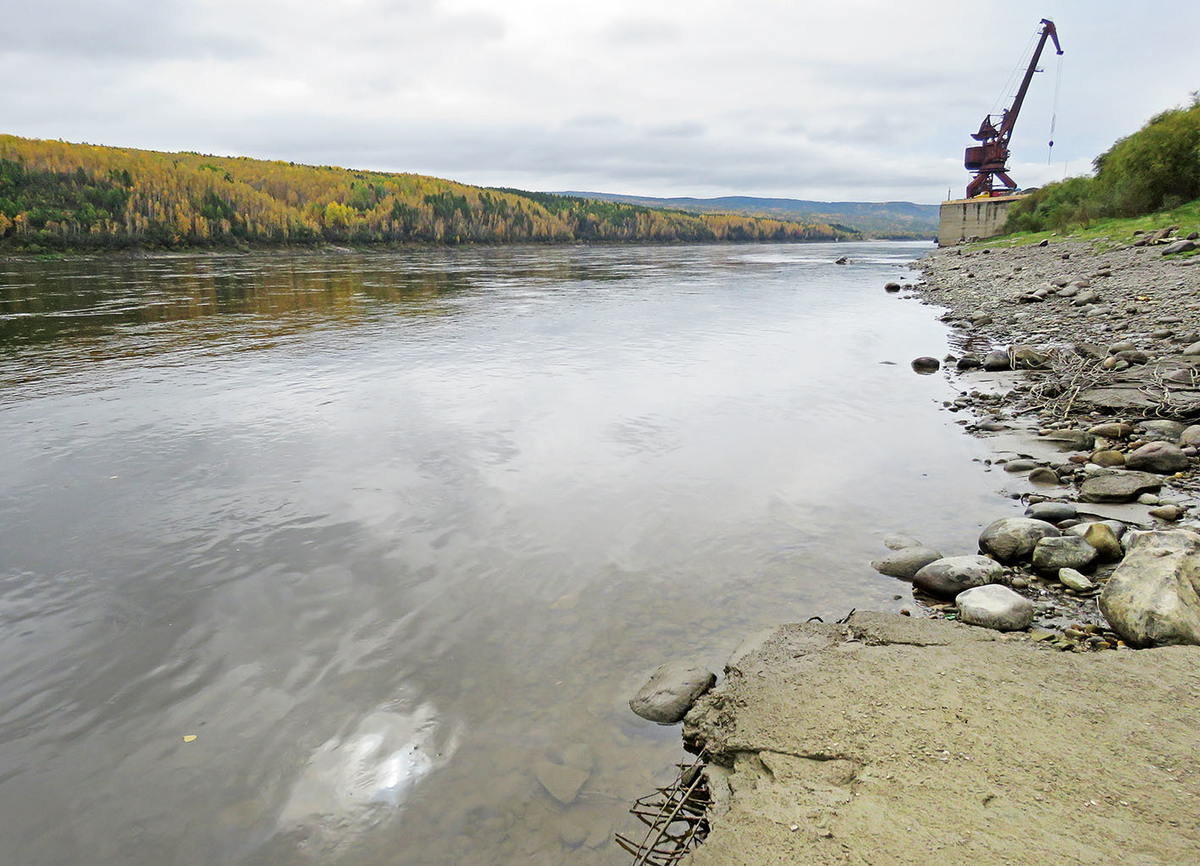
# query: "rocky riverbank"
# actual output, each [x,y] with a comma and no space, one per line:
[892,739]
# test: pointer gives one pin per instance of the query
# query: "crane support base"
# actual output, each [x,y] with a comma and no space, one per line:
[967,218]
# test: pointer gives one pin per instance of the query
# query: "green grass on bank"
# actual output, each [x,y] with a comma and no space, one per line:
[1111,232]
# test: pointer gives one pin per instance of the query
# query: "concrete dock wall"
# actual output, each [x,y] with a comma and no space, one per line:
[972,218]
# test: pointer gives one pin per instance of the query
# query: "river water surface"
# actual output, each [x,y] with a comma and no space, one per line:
[326,558]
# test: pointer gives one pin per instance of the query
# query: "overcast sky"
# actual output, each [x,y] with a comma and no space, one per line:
[848,100]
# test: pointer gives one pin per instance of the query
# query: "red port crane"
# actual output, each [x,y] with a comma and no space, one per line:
[989,159]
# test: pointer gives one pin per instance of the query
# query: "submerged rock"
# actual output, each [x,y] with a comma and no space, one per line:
[1153,598]
[671,691]
[994,606]
[561,782]
[899,541]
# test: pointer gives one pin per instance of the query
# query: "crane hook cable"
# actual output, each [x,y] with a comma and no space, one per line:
[1054,112]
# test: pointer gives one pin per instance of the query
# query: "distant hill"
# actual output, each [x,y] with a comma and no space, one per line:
[55,195]
[891,219]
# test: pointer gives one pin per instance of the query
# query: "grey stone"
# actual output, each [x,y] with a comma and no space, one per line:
[906,562]
[996,360]
[925,365]
[1190,436]
[1184,246]
[1020,465]
[1010,539]
[671,691]
[1118,486]
[969,362]
[1153,598]
[947,577]
[1052,512]
[1160,457]
[1072,579]
[1071,440]
[994,606]
[1068,551]
[1161,430]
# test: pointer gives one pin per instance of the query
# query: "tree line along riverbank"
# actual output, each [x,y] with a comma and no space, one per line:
[59,196]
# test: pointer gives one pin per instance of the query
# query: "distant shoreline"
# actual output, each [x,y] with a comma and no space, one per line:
[147,253]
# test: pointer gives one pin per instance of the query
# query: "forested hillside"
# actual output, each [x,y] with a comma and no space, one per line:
[55,195]
[879,219]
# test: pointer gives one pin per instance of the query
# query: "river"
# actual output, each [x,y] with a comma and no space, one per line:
[323,558]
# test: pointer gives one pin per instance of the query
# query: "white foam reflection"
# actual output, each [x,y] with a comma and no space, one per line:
[378,764]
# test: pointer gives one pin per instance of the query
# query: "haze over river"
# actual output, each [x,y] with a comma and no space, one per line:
[321,558]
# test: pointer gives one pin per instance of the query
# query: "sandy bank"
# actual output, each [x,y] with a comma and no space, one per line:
[891,740]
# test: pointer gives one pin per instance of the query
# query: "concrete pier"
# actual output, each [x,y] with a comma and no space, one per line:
[966,218]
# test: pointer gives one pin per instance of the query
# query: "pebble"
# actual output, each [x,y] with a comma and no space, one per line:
[1072,579]
[1167,512]
[1020,465]
[1042,475]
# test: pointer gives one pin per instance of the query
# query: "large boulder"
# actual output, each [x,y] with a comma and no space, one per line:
[1118,486]
[1157,457]
[1067,551]
[994,606]
[1011,539]
[947,577]
[671,691]
[905,562]
[1153,598]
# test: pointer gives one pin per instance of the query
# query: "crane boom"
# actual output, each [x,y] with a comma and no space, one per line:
[989,159]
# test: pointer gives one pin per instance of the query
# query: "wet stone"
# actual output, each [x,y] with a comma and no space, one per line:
[1051,512]
[1117,486]
[906,562]
[1069,551]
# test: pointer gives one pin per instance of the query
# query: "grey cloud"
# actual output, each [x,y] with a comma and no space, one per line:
[123,30]
[634,31]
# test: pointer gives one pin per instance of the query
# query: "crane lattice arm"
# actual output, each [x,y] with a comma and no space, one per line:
[989,159]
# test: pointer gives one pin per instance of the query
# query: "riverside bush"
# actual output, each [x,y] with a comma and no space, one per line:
[1156,168]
